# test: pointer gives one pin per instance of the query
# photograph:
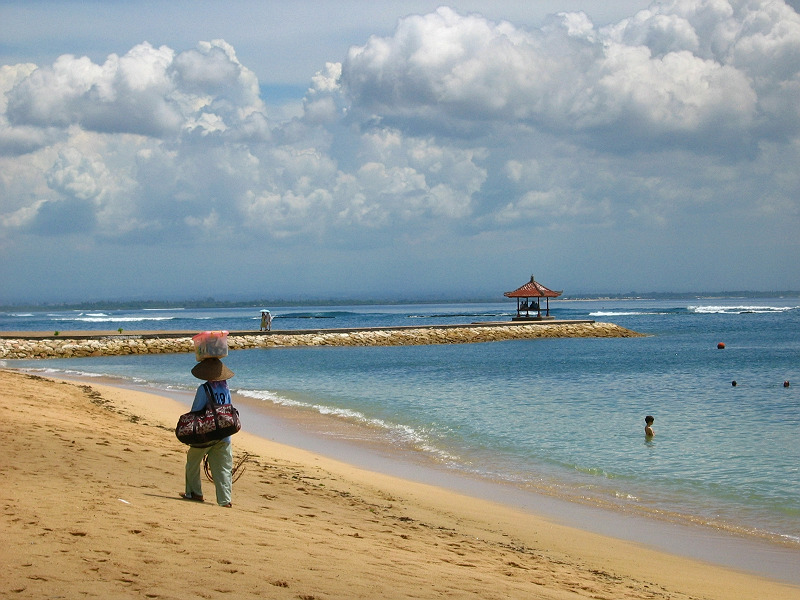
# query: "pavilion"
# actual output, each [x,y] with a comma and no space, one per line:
[524,294]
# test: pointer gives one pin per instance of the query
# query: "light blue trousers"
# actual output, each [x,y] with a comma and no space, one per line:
[220,460]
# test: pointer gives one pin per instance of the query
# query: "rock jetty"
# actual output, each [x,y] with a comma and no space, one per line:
[41,346]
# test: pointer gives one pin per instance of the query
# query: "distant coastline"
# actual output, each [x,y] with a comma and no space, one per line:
[298,302]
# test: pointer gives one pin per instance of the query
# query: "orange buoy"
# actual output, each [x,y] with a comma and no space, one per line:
[720,346]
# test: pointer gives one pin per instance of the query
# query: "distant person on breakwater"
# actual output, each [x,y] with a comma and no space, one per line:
[266,320]
[648,427]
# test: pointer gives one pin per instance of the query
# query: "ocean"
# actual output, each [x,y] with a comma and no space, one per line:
[559,417]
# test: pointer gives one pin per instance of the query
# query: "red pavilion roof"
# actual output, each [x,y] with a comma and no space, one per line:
[533,289]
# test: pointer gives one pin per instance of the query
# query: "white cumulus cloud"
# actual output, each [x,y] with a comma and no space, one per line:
[148,91]
[453,135]
[678,72]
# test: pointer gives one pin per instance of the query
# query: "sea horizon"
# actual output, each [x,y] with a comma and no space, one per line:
[368,300]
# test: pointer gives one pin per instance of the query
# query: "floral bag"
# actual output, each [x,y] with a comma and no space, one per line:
[211,424]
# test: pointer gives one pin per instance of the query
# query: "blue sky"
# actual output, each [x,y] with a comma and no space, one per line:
[187,150]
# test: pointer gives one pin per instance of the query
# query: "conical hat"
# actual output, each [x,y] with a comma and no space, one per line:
[211,369]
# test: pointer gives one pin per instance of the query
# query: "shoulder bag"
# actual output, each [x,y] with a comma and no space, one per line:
[211,424]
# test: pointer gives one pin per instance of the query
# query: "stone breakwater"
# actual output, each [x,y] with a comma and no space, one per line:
[114,345]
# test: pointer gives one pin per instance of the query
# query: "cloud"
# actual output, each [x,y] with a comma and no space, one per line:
[322,102]
[15,140]
[754,43]
[677,73]
[123,95]
[148,91]
[455,135]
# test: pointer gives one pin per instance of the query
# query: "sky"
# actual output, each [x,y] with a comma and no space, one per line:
[396,149]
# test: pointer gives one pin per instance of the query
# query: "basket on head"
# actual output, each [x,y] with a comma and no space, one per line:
[210,344]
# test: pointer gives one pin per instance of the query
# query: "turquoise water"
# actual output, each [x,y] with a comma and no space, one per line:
[563,416]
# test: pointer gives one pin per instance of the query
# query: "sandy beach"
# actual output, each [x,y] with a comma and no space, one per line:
[91,509]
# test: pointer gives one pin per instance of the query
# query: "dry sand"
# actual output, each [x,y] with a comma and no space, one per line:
[90,508]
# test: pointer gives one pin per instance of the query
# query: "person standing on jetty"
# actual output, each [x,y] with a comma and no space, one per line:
[220,453]
[266,320]
[648,427]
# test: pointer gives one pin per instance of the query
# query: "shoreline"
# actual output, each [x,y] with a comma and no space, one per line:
[671,530]
[606,565]
[679,534]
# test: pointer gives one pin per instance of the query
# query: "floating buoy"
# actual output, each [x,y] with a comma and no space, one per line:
[720,346]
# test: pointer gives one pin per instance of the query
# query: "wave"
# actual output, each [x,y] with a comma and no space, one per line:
[111,319]
[695,310]
[739,310]
[460,315]
[611,313]
[332,314]
[67,372]
[404,434]
[81,374]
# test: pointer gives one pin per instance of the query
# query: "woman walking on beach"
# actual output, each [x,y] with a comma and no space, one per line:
[220,453]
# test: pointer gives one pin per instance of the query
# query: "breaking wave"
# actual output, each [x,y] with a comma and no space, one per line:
[400,434]
[739,310]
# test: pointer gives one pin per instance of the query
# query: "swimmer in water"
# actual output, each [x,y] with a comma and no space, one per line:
[648,427]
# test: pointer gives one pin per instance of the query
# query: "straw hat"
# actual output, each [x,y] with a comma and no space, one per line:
[211,369]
